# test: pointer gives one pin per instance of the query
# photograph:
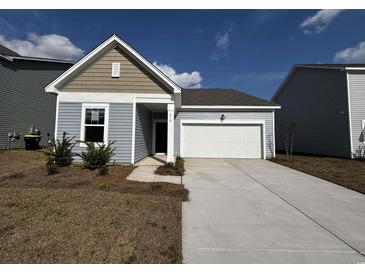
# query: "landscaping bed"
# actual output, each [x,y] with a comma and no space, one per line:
[345,172]
[79,216]
[174,169]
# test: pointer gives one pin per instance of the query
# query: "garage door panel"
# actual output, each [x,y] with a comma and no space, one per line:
[222,141]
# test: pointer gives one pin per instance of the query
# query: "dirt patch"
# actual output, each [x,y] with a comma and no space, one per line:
[88,226]
[19,160]
[345,172]
[79,216]
[76,177]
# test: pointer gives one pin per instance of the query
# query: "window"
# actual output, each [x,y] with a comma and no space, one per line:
[115,69]
[94,123]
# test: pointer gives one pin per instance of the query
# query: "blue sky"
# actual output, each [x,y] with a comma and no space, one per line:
[251,50]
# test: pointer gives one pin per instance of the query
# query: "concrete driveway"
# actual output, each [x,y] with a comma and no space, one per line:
[255,211]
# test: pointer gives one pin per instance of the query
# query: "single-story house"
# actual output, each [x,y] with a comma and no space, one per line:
[326,105]
[23,102]
[115,94]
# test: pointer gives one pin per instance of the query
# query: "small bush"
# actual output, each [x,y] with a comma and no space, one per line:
[359,153]
[155,186]
[60,152]
[51,168]
[53,181]
[130,260]
[172,254]
[103,170]
[177,169]
[96,157]
[16,175]
[103,186]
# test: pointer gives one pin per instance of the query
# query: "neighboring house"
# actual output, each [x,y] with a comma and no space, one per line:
[115,94]
[23,102]
[327,105]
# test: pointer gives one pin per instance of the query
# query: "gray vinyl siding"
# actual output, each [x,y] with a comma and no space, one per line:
[357,103]
[143,133]
[23,101]
[120,127]
[316,101]
[215,115]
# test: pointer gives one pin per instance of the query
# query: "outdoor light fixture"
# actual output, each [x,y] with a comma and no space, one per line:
[223,117]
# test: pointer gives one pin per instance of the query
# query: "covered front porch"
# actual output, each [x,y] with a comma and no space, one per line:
[153,130]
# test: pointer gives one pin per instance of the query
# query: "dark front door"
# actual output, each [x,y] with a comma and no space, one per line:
[161,137]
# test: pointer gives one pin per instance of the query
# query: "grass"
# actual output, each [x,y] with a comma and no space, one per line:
[177,169]
[345,172]
[79,216]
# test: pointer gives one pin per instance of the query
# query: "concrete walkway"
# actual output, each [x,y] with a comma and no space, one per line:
[147,174]
[255,211]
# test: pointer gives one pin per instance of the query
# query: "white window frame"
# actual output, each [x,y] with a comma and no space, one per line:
[114,74]
[363,130]
[106,122]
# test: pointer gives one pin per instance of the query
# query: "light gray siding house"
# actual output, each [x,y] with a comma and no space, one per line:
[327,105]
[115,94]
[23,102]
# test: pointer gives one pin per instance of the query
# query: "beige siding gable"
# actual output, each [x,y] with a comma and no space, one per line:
[98,76]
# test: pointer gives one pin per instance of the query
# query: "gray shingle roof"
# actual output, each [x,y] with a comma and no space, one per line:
[5,51]
[332,65]
[221,97]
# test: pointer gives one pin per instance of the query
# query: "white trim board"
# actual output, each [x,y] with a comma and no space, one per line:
[113,97]
[111,42]
[106,121]
[133,132]
[349,113]
[229,107]
[225,122]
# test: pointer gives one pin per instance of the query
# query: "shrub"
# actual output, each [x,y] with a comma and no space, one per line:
[51,167]
[359,153]
[176,169]
[16,175]
[53,181]
[96,157]
[103,186]
[103,170]
[60,152]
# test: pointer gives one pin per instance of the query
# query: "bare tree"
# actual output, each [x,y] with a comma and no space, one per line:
[289,140]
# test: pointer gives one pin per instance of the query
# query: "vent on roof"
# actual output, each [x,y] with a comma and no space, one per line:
[115,69]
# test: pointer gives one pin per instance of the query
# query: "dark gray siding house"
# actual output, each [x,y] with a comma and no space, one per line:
[23,102]
[326,105]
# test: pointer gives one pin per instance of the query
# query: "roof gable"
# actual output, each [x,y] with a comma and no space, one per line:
[110,43]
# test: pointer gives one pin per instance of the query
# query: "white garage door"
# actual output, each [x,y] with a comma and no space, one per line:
[222,141]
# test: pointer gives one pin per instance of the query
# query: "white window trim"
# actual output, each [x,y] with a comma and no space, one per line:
[226,122]
[363,130]
[106,121]
[116,72]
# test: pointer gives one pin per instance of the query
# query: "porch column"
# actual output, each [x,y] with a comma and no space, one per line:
[170,132]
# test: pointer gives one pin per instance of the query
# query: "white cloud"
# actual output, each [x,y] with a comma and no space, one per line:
[46,46]
[351,55]
[320,21]
[222,42]
[184,79]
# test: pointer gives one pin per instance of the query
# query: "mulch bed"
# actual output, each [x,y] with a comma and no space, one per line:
[345,172]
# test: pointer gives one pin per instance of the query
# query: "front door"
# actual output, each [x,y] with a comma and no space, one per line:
[161,137]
